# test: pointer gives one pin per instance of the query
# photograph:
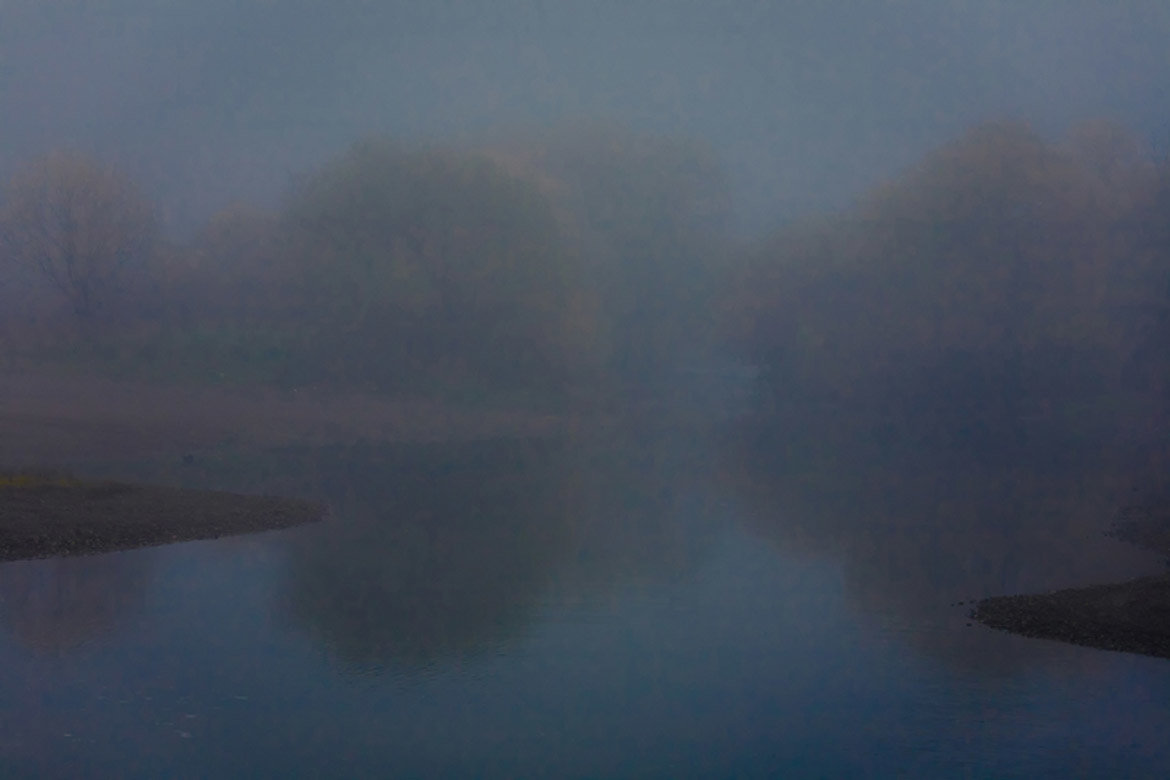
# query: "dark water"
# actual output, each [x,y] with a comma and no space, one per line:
[656,605]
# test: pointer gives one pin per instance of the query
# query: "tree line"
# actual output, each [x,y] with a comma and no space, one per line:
[1001,277]
[540,262]
[1002,273]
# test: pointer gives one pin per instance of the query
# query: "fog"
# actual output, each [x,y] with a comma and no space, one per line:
[952,209]
[807,103]
[675,373]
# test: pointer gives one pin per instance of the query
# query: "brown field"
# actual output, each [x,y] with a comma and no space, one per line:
[54,418]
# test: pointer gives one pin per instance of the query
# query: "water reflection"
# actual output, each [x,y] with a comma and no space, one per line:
[452,550]
[440,553]
[566,608]
[53,606]
[917,529]
[646,511]
[448,550]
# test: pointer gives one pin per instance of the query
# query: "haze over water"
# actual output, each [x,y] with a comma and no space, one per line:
[677,376]
[614,608]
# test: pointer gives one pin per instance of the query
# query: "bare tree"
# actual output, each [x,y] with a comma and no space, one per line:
[78,225]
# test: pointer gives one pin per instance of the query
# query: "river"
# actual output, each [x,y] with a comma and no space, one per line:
[648,602]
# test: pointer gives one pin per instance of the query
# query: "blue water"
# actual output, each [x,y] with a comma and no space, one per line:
[625,612]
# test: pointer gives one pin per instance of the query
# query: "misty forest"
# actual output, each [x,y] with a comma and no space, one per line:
[1002,278]
[584,390]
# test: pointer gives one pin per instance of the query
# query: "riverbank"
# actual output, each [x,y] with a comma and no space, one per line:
[1131,616]
[47,515]
[53,422]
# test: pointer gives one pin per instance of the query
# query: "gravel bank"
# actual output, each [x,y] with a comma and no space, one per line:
[1132,616]
[56,516]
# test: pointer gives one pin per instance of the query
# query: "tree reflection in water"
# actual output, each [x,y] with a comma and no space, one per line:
[439,552]
[56,605]
[917,528]
[447,551]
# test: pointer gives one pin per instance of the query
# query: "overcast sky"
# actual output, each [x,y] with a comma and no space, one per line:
[808,102]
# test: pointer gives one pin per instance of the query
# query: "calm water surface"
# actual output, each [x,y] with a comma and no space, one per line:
[656,605]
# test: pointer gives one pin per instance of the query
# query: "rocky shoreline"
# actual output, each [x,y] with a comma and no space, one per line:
[1132,617]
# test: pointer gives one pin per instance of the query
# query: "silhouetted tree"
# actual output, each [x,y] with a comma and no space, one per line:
[78,225]
[418,261]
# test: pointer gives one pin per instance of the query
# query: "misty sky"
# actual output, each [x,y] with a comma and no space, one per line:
[212,101]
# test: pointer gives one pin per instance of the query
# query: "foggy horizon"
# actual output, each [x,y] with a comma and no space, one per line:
[807,104]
